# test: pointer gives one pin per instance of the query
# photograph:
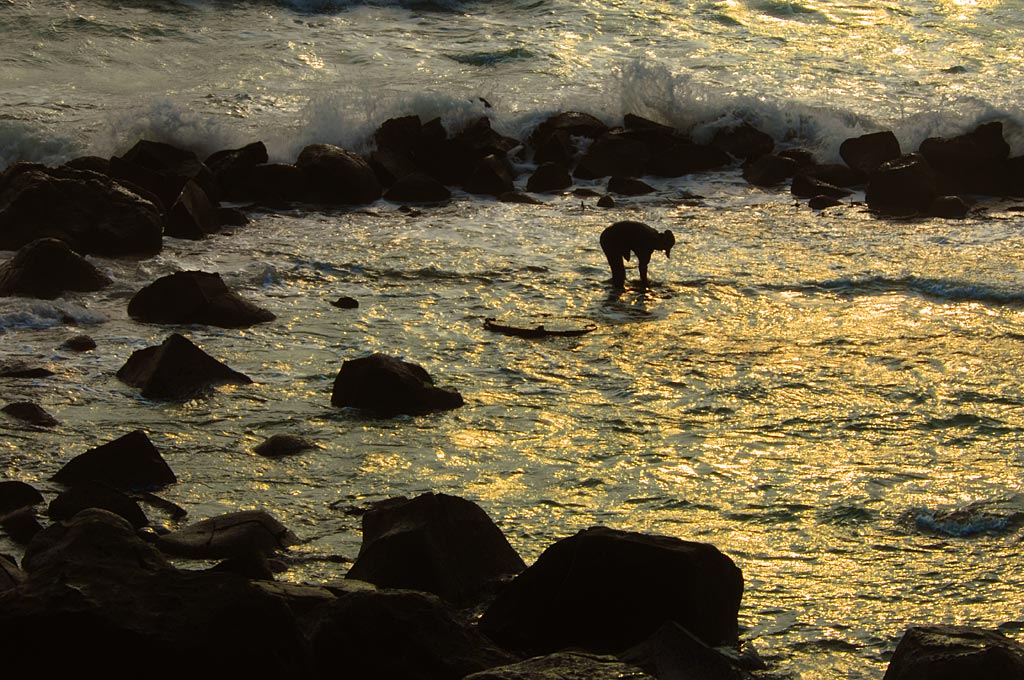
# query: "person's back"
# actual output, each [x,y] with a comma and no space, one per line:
[621,238]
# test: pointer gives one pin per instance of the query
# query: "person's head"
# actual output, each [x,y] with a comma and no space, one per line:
[668,239]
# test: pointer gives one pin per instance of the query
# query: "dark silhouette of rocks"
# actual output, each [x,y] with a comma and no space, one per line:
[232,169]
[614,153]
[491,175]
[953,652]
[90,212]
[769,170]
[279,445]
[15,494]
[389,386]
[31,413]
[549,177]
[674,652]
[232,535]
[605,590]
[743,141]
[336,176]
[192,215]
[195,297]
[89,494]
[866,152]
[569,123]
[807,186]
[434,543]
[628,186]
[127,463]
[21,525]
[902,187]
[164,169]
[417,187]
[46,268]
[176,369]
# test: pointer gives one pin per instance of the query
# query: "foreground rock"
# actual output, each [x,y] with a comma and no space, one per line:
[433,543]
[46,268]
[605,590]
[90,212]
[195,297]
[955,652]
[176,369]
[15,495]
[233,535]
[336,176]
[389,386]
[127,463]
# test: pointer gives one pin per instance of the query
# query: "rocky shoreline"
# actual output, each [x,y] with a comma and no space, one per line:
[436,591]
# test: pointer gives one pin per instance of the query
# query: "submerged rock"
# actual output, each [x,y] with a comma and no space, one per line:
[176,369]
[279,445]
[46,268]
[126,463]
[30,413]
[195,297]
[390,386]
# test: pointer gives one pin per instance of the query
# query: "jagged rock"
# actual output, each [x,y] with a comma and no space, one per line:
[390,386]
[90,494]
[627,186]
[15,494]
[417,187]
[194,297]
[126,463]
[769,170]
[46,268]
[549,177]
[955,653]
[90,212]
[232,168]
[79,343]
[164,169]
[434,543]
[614,153]
[399,634]
[570,123]
[565,666]
[975,162]
[867,152]
[337,176]
[559,148]
[176,369]
[279,445]
[31,413]
[905,186]
[235,534]
[492,175]
[605,590]
[744,141]
[193,215]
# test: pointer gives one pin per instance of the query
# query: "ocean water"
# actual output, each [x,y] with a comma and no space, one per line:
[833,400]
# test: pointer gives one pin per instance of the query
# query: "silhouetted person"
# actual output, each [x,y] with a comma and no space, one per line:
[622,237]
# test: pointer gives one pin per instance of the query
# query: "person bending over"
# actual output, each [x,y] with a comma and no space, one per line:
[622,237]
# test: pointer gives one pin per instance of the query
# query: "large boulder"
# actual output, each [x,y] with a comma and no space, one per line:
[614,153]
[193,215]
[232,535]
[434,543]
[902,187]
[129,462]
[605,590]
[399,634]
[232,168]
[46,268]
[549,177]
[337,176]
[90,212]
[163,169]
[176,369]
[195,297]
[15,494]
[389,386]
[974,162]
[492,175]
[685,157]
[865,153]
[417,187]
[955,653]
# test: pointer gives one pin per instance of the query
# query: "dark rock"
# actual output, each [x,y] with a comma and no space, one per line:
[117,606]
[235,534]
[948,207]
[483,140]
[403,135]
[558,147]
[568,666]
[606,202]
[434,543]
[572,123]
[391,166]
[88,494]
[91,213]
[91,163]
[79,343]
[176,369]
[684,158]
[15,494]
[46,268]
[253,566]
[905,186]
[231,217]
[232,167]
[21,525]
[390,386]
[194,297]
[399,634]
[744,141]
[867,152]
[974,162]
[635,123]
[346,302]
[822,202]
[30,413]
[805,186]
[518,197]
[192,216]
[279,445]
[835,174]
[613,154]
[417,187]
[627,186]
[605,590]
[955,653]
[164,169]
[769,170]
[267,183]
[16,368]
[803,157]
[126,463]
[549,177]
[10,575]
[337,176]
[492,175]
[674,652]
